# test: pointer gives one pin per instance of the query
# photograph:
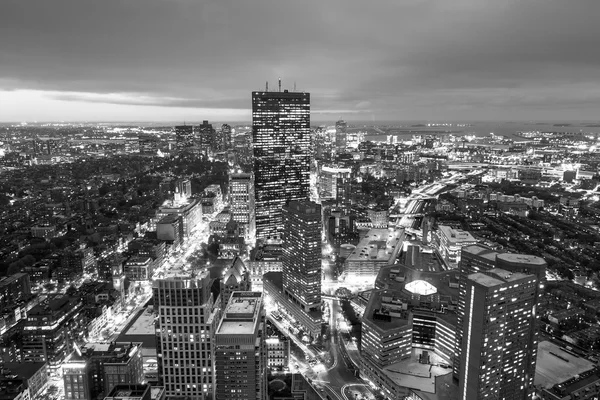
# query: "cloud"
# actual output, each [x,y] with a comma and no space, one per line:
[394,59]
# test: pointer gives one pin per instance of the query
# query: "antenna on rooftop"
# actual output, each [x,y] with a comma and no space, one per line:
[294,86]
[280,84]
[267,87]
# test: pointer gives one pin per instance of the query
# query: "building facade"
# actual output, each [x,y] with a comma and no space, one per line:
[185,332]
[241,197]
[240,354]
[499,344]
[281,145]
[302,254]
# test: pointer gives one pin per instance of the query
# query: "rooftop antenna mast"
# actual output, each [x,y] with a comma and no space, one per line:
[294,86]
[267,87]
[280,84]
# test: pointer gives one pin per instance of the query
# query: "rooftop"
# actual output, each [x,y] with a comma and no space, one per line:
[23,370]
[241,314]
[496,276]
[378,245]
[521,259]
[410,373]
[555,365]
[456,235]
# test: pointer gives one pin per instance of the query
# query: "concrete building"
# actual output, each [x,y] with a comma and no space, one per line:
[26,381]
[236,279]
[241,199]
[170,229]
[450,241]
[14,289]
[302,254]
[136,392]
[240,351]
[278,352]
[379,247]
[98,367]
[139,268]
[479,258]
[185,331]
[263,260]
[190,211]
[499,344]
[50,330]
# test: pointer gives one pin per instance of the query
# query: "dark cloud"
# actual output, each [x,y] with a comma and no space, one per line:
[404,59]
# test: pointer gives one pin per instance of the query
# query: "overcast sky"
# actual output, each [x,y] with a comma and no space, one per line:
[171,60]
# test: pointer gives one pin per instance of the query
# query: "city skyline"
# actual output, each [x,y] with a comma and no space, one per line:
[183,60]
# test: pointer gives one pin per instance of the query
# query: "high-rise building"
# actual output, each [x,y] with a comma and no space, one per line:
[148,144]
[302,254]
[241,196]
[206,137]
[477,258]
[281,145]
[185,332]
[340,136]
[499,345]
[240,354]
[224,137]
[184,136]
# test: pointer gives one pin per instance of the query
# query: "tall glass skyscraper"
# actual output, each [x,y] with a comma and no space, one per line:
[281,145]
[302,254]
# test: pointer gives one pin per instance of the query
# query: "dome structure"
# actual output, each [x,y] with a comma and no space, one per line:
[421,288]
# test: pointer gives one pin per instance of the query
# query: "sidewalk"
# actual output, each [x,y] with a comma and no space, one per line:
[352,351]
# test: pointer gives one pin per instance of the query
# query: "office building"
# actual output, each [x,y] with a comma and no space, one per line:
[499,344]
[14,289]
[136,392]
[96,368]
[281,145]
[302,254]
[206,138]
[50,330]
[241,196]
[479,258]
[184,137]
[139,268]
[329,178]
[149,144]
[25,380]
[224,137]
[185,331]
[340,136]
[240,354]
[450,241]
[263,260]
[278,352]
[170,229]
[190,211]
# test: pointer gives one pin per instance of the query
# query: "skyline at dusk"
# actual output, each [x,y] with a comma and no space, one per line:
[401,60]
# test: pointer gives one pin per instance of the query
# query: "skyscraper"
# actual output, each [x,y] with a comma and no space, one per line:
[478,258]
[206,137]
[302,254]
[184,136]
[499,345]
[241,196]
[281,145]
[185,333]
[240,352]
[340,136]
